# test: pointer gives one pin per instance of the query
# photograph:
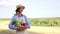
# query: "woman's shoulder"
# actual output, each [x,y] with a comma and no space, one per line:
[24,15]
[14,16]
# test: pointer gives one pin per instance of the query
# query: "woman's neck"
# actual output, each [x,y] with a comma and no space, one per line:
[19,14]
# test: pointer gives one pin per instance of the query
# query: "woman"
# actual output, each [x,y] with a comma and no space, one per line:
[18,15]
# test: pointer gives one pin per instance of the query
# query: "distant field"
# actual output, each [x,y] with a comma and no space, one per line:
[45,21]
[40,21]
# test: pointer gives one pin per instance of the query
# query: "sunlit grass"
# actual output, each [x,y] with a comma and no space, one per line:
[38,21]
[38,26]
[45,21]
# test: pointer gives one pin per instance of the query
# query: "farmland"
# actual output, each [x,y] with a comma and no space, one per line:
[38,26]
[40,21]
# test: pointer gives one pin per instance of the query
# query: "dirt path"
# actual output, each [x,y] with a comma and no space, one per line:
[45,30]
[33,30]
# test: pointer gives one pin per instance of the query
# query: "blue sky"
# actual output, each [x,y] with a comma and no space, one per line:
[34,8]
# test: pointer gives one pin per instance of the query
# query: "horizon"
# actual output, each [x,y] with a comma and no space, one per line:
[33,18]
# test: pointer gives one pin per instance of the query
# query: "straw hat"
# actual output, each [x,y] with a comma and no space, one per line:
[18,6]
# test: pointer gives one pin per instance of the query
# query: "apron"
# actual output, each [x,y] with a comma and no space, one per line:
[22,32]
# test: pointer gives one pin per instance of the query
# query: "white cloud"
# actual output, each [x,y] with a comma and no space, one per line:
[6,3]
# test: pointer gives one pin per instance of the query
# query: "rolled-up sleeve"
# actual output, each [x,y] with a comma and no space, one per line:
[12,26]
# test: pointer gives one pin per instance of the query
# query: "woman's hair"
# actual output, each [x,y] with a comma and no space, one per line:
[17,10]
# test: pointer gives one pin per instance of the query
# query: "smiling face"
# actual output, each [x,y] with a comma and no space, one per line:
[20,9]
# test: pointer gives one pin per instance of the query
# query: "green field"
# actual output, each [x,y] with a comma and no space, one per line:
[45,21]
[39,26]
[41,21]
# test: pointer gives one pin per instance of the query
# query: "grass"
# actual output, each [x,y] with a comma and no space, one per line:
[39,26]
[40,21]
[45,21]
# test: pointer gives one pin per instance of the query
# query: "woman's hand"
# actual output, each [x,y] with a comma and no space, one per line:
[28,26]
[21,28]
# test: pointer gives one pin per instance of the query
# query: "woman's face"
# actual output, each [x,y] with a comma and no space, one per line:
[21,10]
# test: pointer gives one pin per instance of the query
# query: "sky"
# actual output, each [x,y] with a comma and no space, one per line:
[34,8]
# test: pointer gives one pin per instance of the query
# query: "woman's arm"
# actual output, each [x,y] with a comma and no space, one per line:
[12,26]
[27,22]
